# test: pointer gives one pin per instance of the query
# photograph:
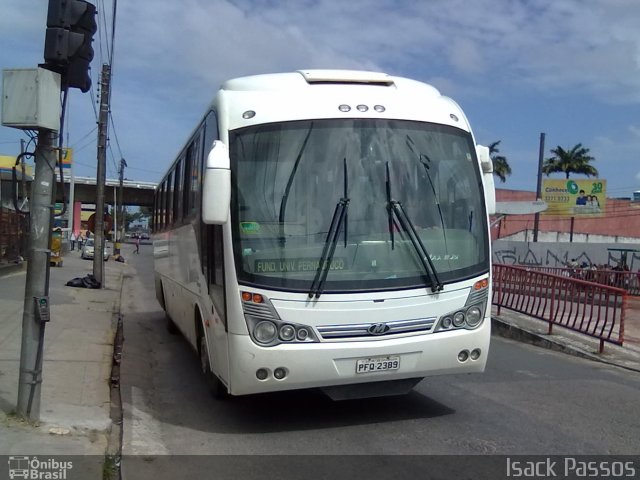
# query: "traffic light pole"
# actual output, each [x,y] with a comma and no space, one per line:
[36,300]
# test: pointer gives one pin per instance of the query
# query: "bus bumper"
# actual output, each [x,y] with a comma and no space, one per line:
[326,364]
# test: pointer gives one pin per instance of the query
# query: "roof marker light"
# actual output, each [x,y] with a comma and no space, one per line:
[362,108]
[379,108]
[248,114]
[344,108]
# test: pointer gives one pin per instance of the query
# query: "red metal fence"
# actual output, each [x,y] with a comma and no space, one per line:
[590,308]
[630,281]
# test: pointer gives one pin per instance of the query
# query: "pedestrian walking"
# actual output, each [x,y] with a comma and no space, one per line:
[137,243]
[73,239]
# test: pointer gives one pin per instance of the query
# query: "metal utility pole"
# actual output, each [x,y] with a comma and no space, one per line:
[98,252]
[36,299]
[67,54]
[536,220]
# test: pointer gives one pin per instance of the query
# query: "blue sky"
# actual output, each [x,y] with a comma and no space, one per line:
[568,68]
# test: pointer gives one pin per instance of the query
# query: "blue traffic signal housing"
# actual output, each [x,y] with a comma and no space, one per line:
[71,25]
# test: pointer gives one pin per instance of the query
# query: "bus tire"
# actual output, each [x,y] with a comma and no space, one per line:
[217,388]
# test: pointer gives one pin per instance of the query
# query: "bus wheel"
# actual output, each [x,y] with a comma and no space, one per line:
[217,388]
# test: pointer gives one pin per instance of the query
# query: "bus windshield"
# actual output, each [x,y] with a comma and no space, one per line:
[288,178]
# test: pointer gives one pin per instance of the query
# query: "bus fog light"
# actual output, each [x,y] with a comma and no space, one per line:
[474,316]
[287,332]
[458,319]
[446,322]
[265,332]
[302,334]
[475,354]
[262,374]
[463,356]
[279,373]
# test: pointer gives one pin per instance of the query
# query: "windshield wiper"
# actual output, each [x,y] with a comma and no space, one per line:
[395,208]
[420,156]
[285,196]
[339,217]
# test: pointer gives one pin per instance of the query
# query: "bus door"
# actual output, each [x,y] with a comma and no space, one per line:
[213,258]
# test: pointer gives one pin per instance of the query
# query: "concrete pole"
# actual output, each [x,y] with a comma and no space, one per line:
[98,259]
[116,245]
[72,191]
[536,220]
[24,247]
[37,282]
[120,213]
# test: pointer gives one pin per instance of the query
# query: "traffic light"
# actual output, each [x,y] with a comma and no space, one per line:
[71,25]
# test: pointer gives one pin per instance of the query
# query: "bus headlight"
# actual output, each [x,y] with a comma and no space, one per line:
[474,316]
[265,326]
[287,332]
[458,319]
[265,332]
[302,334]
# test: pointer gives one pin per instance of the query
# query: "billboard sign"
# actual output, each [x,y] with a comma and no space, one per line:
[570,198]
[67,158]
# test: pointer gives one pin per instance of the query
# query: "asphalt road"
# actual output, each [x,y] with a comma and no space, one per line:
[530,401]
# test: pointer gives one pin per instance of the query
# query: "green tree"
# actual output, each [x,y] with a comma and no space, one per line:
[501,167]
[577,160]
[141,213]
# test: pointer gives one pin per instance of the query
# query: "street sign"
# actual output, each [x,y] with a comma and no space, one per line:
[520,208]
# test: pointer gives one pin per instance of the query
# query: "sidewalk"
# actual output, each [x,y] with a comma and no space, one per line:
[75,395]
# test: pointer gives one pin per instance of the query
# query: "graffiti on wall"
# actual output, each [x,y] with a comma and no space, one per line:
[559,254]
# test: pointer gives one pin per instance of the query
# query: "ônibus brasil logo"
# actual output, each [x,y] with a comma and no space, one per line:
[33,468]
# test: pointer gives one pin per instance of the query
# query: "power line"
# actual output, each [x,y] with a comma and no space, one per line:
[113,32]
[115,135]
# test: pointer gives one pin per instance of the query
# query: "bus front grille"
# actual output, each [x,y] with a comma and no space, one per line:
[355,330]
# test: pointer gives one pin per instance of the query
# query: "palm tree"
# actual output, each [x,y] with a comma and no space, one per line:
[575,160]
[501,167]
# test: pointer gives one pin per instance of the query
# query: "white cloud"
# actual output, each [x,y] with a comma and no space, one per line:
[170,57]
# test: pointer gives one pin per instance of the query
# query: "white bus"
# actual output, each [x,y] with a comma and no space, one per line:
[328,228]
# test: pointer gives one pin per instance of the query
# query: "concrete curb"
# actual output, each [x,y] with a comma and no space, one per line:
[10,268]
[113,453]
[516,332]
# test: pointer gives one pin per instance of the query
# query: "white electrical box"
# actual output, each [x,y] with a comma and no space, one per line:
[31,98]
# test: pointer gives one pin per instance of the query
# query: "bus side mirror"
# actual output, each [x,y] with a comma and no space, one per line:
[216,186]
[486,164]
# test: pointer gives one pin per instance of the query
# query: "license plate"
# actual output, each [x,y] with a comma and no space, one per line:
[377,364]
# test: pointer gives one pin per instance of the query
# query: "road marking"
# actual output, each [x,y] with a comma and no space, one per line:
[145,431]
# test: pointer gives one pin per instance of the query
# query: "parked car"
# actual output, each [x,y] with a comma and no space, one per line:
[88,247]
